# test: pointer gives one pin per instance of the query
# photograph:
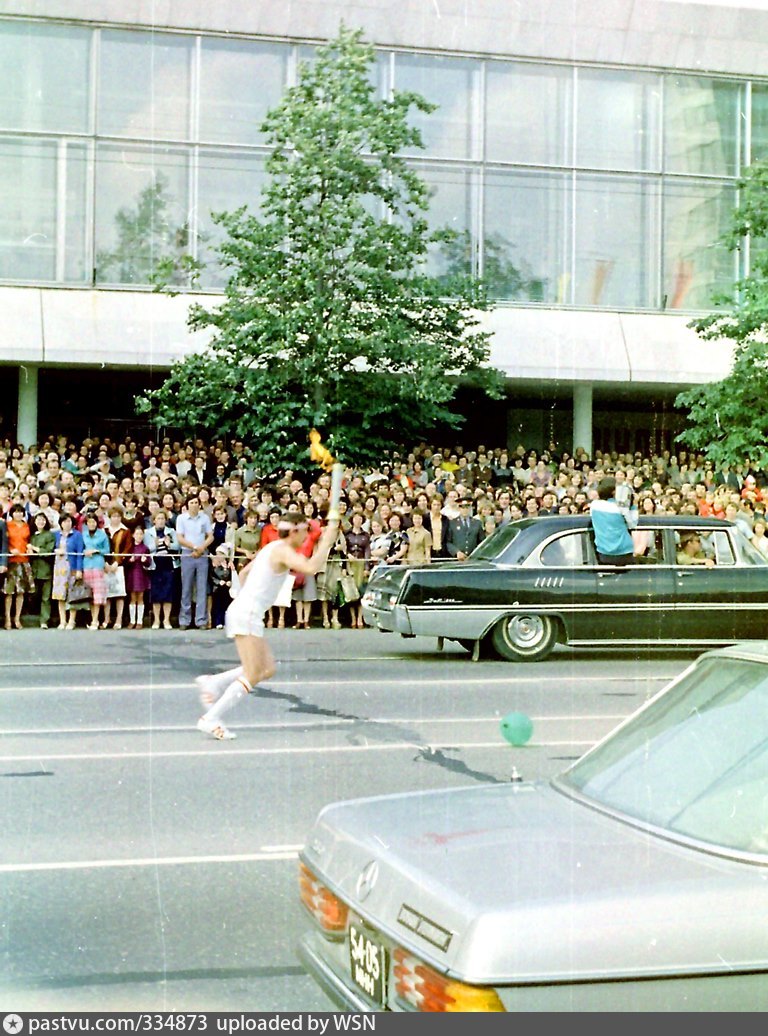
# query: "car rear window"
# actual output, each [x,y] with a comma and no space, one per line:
[695,762]
[567,550]
[496,543]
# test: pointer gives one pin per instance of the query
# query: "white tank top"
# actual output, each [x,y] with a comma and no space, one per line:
[262,585]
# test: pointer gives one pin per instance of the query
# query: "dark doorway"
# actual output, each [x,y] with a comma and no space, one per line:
[86,402]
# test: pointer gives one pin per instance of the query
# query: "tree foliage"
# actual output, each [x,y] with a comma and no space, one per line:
[728,419]
[330,317]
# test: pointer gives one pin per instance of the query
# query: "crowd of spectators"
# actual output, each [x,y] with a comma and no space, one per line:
[128,535]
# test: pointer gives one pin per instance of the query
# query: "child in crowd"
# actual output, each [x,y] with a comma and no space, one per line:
[221,584]
[137,578]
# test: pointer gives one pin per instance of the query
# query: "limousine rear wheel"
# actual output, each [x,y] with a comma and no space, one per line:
[524,638]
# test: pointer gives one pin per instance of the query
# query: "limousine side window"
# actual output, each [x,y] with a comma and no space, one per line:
[715,544]
[566,551]
[648,545]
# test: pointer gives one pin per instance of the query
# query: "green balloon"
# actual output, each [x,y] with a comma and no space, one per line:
[517,728]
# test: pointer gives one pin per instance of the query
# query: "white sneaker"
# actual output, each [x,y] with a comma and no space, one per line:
[215,729]
[207,697]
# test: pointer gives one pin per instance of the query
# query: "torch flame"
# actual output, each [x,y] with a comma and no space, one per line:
[318,452]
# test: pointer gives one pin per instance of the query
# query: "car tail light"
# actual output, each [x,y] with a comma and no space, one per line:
[327,909]
[427,990]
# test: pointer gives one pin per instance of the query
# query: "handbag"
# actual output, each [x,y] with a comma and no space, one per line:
[234,588]
[349,588]
[115,583]
[78,591]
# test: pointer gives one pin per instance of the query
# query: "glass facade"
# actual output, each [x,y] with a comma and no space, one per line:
[615,241]
[618,117]
[528,113]
[144,85]
[568,185]
[239,83]
[28,197]
[141,211]
[526,236]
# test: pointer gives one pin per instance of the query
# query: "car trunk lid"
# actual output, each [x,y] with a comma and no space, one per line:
[521,883]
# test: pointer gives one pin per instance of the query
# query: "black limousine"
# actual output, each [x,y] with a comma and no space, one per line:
[537,582]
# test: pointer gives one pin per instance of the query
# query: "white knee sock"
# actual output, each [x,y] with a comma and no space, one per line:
[218,684]
[236,690]
[132,614]
[139,614]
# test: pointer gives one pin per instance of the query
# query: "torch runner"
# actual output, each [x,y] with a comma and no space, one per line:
[260,584]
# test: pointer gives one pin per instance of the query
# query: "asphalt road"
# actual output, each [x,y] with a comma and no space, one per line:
[145,867]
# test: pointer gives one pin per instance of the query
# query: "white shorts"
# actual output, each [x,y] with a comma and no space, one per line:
[237,624]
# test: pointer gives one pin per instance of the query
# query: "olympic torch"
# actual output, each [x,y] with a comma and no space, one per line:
[325,459]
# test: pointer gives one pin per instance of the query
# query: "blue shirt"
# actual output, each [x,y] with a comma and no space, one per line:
[98,542]
[194,530]
[611,525]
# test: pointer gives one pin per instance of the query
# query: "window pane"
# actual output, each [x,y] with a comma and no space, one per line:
[75,215]
[449,83]
[44,77]
[701,125]
[566,550]
[528,116]
[141,212]
[759,121]
[144,85]
[225,182]
[450,205]
[239,83]
[27,209]
[525,247]
[618,120]
[695,264]
[616,242]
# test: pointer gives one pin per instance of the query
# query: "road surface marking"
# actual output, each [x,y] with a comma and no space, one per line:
[301,724]
[431,681]
[40,757]
[150,861]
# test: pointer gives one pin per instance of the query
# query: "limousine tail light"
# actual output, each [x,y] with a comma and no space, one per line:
[327,909]
[427,990]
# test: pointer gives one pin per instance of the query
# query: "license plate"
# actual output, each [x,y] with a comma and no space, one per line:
[368,963]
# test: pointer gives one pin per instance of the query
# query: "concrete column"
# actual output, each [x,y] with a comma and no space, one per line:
[582,417]
[26,424]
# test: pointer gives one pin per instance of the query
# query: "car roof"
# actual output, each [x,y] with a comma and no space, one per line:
[583,521]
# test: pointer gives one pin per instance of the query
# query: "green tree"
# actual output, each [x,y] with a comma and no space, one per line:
[329,317]
[150,248]
[728,419]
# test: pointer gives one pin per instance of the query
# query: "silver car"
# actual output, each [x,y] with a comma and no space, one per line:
[635,880]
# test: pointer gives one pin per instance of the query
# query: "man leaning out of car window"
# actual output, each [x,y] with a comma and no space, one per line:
[611,525]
